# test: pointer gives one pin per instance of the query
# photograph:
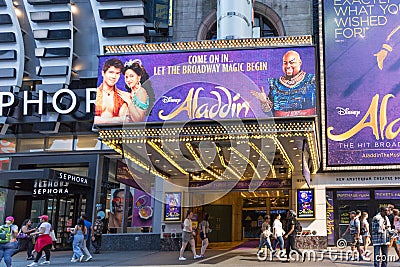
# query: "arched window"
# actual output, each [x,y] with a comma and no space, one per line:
[264,17]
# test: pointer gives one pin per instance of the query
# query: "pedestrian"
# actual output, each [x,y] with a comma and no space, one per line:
[188,237]
[43,241]
[87,237]
[380,233]
[396,222]
[25,240]
[265,235]
[78,231]
[290,236]
[354,229]
[98,228]
[365,232]
[8,240]
[204,230]
[278,234]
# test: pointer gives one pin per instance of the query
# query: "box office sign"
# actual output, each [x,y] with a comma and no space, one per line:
[206,85]
[361,60]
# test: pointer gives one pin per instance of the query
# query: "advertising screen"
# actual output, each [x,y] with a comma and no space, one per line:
[362,51]
[207,85]
[305,204]
[173,207]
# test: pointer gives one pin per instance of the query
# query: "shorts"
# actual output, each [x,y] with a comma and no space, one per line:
[187,236]
[202,236]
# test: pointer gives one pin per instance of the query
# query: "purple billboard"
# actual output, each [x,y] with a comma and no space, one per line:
[361,65]
[206,85]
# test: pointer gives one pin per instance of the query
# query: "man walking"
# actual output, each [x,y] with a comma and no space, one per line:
[380,236]
[291,235]
[86,240]
[97,233]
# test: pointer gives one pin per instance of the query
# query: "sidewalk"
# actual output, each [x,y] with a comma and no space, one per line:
[235,257]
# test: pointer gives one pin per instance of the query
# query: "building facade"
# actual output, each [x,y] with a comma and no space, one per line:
[49,61]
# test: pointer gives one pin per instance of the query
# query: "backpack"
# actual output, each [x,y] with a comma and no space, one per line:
[98,227]
[5,234]
[297,227]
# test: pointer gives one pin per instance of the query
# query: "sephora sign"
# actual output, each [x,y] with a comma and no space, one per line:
[10,100]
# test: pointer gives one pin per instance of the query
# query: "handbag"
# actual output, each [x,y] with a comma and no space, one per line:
[22,235]
[71,239]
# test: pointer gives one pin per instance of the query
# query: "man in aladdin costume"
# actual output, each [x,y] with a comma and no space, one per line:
[292,94]
[108,100]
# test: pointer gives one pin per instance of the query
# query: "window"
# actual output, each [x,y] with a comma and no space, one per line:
[30,145]
[59,143]
[89,142]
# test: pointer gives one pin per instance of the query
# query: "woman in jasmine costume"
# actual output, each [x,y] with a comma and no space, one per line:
[140,96]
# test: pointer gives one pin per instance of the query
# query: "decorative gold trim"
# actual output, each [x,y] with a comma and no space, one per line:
[209,44]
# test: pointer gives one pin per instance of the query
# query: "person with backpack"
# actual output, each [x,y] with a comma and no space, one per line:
[292,225]
[8,240]
[98,228]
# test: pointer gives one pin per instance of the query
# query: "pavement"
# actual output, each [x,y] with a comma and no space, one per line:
[240,256]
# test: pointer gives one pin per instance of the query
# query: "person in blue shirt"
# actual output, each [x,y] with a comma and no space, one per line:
[87,237]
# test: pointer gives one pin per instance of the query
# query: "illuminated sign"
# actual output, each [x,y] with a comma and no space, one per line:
[173,207]
[207,85]
[361,59]
[39,100]
[305,203]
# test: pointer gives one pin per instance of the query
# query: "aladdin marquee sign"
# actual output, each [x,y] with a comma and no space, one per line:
[361,59]
[206,85]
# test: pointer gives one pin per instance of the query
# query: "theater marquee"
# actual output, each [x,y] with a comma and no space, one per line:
[361,54]
[206,85]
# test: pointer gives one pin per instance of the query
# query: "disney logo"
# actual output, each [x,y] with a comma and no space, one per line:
[169,99]
[347,111]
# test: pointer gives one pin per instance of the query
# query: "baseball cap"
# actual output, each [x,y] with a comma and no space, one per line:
[10,218]
[44,217]
[352,212]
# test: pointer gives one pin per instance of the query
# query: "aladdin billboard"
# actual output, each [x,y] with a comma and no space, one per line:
[361,53]
[206,85]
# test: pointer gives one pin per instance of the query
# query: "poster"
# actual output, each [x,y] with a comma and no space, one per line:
[305,204]
[362,51]
[173,207]
[206,85]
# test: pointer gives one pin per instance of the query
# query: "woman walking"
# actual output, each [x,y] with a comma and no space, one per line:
[187,237]
[43,242]
[364,231]
[204,230]
[78,232]
[25,241]
[278,234]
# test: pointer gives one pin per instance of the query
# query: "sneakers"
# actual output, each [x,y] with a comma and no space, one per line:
[45,263]
[32,264]
[74,260]
[81,258]
[202,255]
[30,258]
[197,257]
[182,258]
[88,259]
